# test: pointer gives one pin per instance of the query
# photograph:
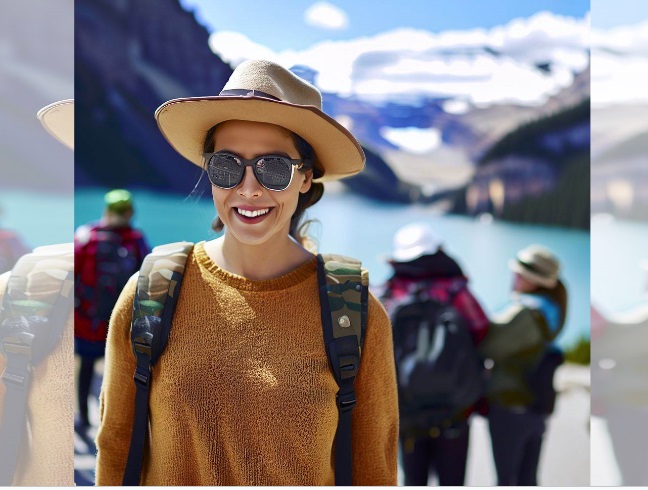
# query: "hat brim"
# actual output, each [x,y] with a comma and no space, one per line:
[185,122]
[547,282]
[413,253]
[58,120]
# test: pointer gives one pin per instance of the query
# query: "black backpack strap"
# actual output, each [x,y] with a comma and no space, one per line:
[158,288]
[344,292]
[35,309]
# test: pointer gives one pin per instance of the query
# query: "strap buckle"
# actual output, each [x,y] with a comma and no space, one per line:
[13,345]
[141,378]
[349,366]
[142,346]
[18,343]
[18,349]
[13,378]
[142,335]
[346,401]
[15,335]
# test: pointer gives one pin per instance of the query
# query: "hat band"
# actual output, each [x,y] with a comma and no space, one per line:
[241,92]
[533,269]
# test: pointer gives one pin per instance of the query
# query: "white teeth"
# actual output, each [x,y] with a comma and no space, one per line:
[252,214]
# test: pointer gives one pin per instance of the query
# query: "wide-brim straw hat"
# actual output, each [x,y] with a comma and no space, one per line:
[263,91]
[58,120]
[538,265]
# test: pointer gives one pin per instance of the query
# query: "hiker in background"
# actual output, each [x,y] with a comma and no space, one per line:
[244,392]
[11,247]
[436,324]
[106,254]
[520,344]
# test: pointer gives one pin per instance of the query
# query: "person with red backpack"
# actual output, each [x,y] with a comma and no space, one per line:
[106,254]
[437,323]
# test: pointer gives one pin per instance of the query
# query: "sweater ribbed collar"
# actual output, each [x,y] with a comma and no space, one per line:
[292,278]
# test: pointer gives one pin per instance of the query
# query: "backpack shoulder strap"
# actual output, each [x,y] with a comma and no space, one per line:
[344,292]
[158,288]
[35,309]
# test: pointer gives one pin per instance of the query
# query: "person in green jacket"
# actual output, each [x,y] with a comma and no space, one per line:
[520,345]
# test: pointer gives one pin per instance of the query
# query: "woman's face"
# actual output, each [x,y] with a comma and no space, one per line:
[249,140]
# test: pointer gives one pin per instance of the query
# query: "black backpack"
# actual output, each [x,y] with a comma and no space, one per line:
[438,368]
[541,380]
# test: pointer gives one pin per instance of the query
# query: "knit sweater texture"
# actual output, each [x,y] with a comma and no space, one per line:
[48,458]
[243,394]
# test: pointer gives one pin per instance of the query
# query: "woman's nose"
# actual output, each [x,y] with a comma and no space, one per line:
[250,186]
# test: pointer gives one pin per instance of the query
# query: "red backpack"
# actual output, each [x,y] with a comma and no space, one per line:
[103,264]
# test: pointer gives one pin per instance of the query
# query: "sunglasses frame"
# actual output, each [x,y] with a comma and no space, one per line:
[295,162]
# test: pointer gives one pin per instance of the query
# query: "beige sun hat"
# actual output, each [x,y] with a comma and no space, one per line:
[58,120]
[538,265]
[263,91]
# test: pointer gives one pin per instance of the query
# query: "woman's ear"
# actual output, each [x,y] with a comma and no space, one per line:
[308,179]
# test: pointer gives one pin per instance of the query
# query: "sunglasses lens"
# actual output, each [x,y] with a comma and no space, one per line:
[274,172]
[225,170]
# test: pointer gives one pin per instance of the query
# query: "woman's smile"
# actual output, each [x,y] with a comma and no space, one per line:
[251,215]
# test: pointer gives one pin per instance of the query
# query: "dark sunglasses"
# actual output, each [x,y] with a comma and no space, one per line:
[274,172]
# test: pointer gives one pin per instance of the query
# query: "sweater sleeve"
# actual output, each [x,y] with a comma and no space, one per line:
[117,399]
[375,417]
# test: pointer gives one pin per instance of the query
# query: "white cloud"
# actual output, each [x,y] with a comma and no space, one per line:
[620,65]
[478,66]
[326,16]
[628,40]
[234,48]
[413,140]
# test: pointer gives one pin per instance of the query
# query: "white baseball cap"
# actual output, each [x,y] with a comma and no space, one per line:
[413,241]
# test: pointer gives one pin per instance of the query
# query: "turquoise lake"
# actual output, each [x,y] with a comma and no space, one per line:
[349,225]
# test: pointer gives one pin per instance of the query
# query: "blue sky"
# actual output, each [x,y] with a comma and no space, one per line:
[280,24]
[613,13]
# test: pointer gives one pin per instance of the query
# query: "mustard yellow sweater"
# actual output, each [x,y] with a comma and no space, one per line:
[49,458]
[243,394]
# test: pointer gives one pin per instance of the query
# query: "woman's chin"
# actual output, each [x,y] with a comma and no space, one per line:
[249,235]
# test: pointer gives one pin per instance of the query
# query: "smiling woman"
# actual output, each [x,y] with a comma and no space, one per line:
[246,391]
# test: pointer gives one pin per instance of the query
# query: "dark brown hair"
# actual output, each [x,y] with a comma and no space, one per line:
[306,200]
[558,294]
